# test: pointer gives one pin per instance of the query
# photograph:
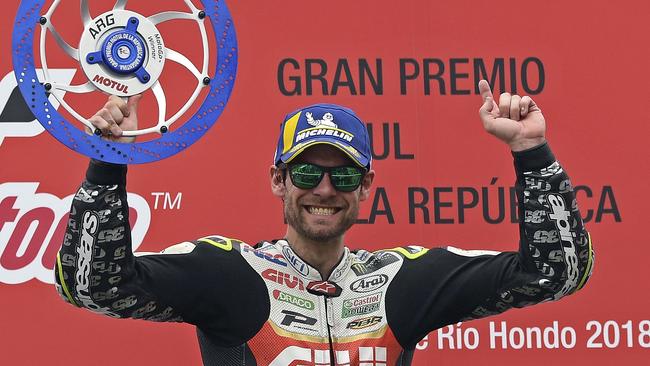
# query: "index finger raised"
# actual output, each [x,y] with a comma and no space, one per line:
[484,89]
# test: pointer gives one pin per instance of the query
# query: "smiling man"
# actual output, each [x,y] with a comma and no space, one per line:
[328,168]
[307,298]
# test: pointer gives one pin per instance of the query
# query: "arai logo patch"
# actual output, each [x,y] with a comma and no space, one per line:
[370,283]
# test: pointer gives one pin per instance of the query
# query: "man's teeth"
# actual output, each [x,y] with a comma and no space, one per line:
[321,210]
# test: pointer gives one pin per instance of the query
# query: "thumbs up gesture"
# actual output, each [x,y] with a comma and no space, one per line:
[117,116]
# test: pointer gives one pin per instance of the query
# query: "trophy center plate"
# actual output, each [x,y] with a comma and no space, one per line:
[122,52]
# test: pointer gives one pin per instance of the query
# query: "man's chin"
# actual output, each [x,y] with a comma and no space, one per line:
[323,235]
[325,229]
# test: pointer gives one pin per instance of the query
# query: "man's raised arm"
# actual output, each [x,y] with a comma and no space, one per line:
[555,256]
[97,270]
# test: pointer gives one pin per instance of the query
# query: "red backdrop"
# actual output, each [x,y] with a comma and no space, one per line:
[583,64]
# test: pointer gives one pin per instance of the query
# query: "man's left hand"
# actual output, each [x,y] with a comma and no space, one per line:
[516,120]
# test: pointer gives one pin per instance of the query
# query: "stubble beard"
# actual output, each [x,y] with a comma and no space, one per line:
[296,219]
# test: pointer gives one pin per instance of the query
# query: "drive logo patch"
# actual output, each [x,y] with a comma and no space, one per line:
[16,120]
[32,229]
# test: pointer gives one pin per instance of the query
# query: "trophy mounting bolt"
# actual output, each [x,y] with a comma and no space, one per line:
[42,20]
[47,86]
[98,132]
[206,80]
[163,129]
[201,14]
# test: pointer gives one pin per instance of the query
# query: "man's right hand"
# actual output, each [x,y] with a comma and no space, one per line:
[516,120]
[117,116]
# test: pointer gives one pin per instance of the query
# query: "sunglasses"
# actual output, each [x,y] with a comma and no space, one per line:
[308,176]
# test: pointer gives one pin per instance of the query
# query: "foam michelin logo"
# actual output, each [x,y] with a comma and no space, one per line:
[32,227]
[16,120]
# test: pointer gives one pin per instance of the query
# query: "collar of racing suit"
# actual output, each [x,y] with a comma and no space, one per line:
[307,271]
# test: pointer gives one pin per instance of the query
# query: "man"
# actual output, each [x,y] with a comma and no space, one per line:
[307,298]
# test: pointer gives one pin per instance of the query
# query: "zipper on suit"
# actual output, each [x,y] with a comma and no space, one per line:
[329,322]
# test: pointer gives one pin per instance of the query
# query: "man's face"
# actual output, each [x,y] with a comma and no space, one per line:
[322,213]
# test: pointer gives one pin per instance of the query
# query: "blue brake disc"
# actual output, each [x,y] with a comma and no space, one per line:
[35,93]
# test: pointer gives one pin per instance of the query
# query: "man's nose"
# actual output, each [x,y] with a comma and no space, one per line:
[325,187]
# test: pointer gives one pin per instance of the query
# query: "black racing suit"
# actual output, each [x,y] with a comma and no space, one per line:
[264,305]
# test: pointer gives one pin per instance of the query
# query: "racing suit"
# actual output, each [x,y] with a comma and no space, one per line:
[264,305]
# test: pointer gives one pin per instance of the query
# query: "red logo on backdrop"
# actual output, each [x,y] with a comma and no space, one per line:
[324,288]
[32,227]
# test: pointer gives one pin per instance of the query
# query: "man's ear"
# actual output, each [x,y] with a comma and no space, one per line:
[366,184]
[277,181]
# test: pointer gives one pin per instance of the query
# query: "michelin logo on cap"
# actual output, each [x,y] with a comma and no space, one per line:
[324,124]
[328,120]
[326,127]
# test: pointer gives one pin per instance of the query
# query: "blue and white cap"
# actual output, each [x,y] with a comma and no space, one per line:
[322,123]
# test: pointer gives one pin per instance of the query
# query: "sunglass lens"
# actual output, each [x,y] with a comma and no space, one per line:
[308,176]
[305,176]
[346,178]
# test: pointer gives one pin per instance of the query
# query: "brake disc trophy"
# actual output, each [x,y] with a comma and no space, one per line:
[122,52]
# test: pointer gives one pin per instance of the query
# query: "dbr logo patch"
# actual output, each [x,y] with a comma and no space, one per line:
[32,227]
[16,120]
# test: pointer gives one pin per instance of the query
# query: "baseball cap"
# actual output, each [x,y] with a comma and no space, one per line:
[323,123]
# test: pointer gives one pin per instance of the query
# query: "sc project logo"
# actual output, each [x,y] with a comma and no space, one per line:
[32,227]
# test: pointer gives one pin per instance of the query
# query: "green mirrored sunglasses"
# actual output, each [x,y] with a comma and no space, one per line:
[343,178]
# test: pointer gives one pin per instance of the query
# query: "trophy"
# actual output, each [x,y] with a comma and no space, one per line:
[122,52]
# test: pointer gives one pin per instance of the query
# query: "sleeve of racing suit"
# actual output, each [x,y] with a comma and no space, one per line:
[208,284]
[555,259]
